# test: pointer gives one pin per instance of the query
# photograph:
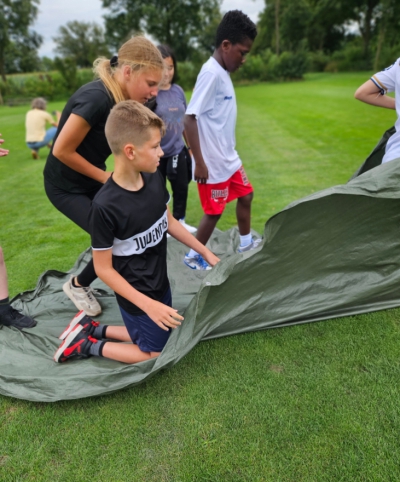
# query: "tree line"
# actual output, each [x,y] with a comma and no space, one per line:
[328,34]
[188,26]
[364,32]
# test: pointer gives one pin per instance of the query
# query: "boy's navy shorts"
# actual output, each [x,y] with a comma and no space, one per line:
[146,334]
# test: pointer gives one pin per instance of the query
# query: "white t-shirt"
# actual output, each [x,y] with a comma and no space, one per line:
[214,104]
[389,81]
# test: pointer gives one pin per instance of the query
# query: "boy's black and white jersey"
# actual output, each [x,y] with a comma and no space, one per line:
[134,225]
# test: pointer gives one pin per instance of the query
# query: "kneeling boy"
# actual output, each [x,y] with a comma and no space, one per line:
[129,222]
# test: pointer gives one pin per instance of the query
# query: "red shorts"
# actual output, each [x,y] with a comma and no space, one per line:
[213,197]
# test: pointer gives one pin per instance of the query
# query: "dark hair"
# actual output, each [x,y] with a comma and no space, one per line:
[235,26]
[166,51]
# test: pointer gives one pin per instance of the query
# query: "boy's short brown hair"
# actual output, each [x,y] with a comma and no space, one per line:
[130,122]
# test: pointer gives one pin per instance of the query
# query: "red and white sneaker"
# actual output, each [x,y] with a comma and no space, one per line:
[76,344]
[83,319]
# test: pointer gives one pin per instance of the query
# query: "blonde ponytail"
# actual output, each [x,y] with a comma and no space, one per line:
[139,53]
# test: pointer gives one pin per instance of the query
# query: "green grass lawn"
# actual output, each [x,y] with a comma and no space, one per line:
[316,402]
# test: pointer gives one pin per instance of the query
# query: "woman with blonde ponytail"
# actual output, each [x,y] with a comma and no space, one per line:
[75,169]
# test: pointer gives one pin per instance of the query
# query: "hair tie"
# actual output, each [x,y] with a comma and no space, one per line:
[114,61]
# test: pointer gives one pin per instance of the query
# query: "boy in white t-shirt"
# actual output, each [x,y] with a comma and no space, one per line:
[210,123]
[373,92]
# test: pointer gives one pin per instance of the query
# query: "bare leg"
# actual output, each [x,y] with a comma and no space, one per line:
[117,333]
[243,213]
[3,277]
[206,227]
[128,353]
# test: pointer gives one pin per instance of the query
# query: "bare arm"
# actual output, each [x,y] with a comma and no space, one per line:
[192,133]
[176,230]
[370,94]
[185,137]
[164,316]
[70,137]
[3,152]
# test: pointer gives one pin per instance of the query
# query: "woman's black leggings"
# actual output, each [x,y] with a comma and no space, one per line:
[179,177]
[76,207]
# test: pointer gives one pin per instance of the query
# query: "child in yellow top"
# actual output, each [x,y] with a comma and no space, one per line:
[35,124]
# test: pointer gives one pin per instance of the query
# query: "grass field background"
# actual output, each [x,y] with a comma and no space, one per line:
[317,402]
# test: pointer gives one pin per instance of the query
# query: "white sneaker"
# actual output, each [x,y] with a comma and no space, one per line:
[83,298]
[191,229]
[253,245]
[197,262]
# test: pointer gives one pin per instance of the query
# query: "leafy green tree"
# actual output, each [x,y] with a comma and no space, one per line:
[22,56]
[365,14]
[268,28]
[320,25]
[178,23]
[69,72]
[283,25]
[82,41]
[46,64]
[206,38]
[388,27]
[294,24]
[327,24]
[16,16]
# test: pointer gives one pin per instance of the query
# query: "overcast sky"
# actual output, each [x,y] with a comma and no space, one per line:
[53,14]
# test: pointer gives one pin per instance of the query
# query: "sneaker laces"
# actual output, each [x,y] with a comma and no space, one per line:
[93,340]
[90,292]
[202,262]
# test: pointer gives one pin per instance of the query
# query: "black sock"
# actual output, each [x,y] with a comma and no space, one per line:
[87,275]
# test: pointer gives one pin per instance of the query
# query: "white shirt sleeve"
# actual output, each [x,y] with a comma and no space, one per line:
[204,94]
[386,80]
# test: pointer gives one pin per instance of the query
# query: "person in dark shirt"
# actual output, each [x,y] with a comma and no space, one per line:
[129,221]
[75,168]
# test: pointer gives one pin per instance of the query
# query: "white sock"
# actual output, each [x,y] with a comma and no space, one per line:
[192,253]
[245,240]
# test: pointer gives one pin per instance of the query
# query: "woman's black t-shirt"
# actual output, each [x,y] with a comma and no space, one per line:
[134,224]
[93,103]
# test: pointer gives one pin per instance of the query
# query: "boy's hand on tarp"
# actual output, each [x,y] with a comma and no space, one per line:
[164,316]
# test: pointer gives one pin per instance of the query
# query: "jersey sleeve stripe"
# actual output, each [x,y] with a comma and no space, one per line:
[102,249]
[382,89]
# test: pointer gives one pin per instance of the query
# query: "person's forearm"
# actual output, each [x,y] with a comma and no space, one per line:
[176,230]
[378,100]
[78,163]
[201,171]
[117,283]
[70,137]
[192,136]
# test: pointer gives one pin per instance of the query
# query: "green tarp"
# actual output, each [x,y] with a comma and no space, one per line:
[334,253]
